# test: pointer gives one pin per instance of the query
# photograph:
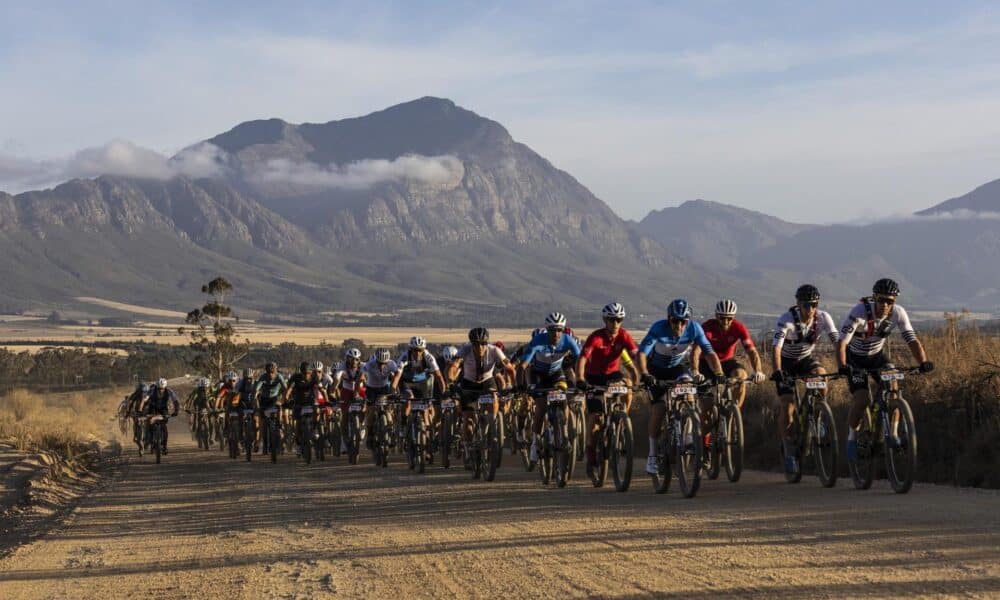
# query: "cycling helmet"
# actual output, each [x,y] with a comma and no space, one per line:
[139,386]
[725,308]
[318,366]
[382,355]
[418,343]
[449,353]
[479,334]
[271,365]
[203,382]
[247,373]
[232,376]
[555,319]
[353,353]
[613,311]
[538,332]
[143,388]
[161,383]
[339,366]
[679,309]
[807,293]
[886,287]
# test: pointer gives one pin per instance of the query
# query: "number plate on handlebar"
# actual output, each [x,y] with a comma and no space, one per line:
[684,390]
[418,406]
[815,384]
[556,397]
[617,390]
[355,407]
[347,385]
[447,404]
[247,412]
[892,376]
[234,414]
[306,410]
[486,399]
[270,412]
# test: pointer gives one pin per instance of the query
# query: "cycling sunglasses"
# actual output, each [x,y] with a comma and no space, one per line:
[615,319]
[889,300]
[673,320]
[812,304]
[480,343]
[553,329]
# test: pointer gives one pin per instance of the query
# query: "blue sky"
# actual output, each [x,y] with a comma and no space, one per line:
[813,112]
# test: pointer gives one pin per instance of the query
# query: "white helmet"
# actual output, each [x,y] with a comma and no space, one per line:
[449,353]
[613,311]
[339,366]
[161,383]
[726,308]
[203,382]
[555,319]
[318,366]
[382,355]
[232,376]
[418,343]
[353,353]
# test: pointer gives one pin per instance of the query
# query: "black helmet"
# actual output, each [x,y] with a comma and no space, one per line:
[807,293]
[271,366]
[479,334]
[886,287]
[304,366]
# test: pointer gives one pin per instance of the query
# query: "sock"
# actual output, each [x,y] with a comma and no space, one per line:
[852,434]
[652,446]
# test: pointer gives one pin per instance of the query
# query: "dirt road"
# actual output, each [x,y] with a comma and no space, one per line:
[202,525]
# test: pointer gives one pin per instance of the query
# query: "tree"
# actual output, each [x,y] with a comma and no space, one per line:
[213,333]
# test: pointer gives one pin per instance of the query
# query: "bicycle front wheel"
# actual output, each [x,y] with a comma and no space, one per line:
[733,451]
[690,453]
[622,454]
[901,452]
[863,469]
[825,448]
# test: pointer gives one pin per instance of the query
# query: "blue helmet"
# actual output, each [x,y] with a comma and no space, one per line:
[679,309]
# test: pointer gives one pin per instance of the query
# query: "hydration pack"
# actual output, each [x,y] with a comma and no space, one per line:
[810,336]
[884,328]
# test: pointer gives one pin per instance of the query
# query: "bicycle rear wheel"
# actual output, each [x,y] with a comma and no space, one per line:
[863,469]
[733,450]
[690,453]
[798,436]
[825,448]
[901,453]
[600,470]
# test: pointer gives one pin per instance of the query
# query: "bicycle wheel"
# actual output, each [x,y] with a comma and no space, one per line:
[664,472]
[863,469]
[249,435]
[690,453]
[901,452]
[545,457]
[798,436]
[580,423]
[733,450]
[501,435]
[570,442]
[445,439]
[353,439]
[411,447]
[333,437]
[307,435]
[421,444]
[274,443]
[319,441]
[234,438]
[599,473]
[825,448]
[491,447]
[157,442]
[712,459]
[622,453]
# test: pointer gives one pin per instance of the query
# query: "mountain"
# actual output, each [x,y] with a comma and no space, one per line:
[985,198]
[424,205]
[715,235]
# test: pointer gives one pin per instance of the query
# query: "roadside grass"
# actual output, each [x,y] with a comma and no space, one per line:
[70,425]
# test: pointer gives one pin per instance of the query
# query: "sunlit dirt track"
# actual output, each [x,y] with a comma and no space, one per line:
[202,525]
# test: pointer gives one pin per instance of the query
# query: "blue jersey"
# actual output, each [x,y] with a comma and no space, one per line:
[546,358]
[665,350]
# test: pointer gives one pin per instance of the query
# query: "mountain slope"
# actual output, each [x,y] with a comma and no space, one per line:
[985,198]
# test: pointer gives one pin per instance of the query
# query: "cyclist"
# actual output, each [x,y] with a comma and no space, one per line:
[478,361]
[349,382]
[161,401]
[447,356]
[543,367]
[796,334]
[134,405]
[379,372]
[197,401]
[662,356]
[724,332]
[418,371]
[862,348]
[600,364]
[269,391]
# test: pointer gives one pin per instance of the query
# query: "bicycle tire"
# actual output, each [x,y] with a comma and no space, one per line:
[863,470]
[901,480]
[690,454]
[734,444]
[825,446]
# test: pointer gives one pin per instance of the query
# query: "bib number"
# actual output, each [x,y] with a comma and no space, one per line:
[418,406]
[892,376]
[355,408]
[306,410]
[815,384]
[684,390]
[447,404]
[486,399]
[556,397]
[615,390]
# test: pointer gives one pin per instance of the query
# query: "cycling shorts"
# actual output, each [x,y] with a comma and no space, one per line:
[728,366]
[806,365]
[471,391]
[860,363]
[595,402]
[679,373]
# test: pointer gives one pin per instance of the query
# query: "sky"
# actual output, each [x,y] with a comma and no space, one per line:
[811,111]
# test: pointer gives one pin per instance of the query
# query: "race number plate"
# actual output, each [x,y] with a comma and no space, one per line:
[347,385]
[617,389]
[486,399]
[306,410]
[684,390]
[270,412]
[247,412]
[355,407]
[447,404]
[892,376]
[382,402]
[418,406]
[815,384]
[234,414]
[556,397]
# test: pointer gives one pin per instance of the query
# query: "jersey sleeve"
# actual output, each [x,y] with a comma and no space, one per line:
[855,319]
[588,345]
[574,347]
[529,353]
[432,362]
[831,328]
[745,337]
[499,355]
[650,340]
[781,330]
[903,323]
[629,343]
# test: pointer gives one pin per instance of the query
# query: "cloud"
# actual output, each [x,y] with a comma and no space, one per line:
[361,174]
[117,157]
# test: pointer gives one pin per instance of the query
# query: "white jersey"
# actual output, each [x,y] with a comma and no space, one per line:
[477,374]
[417,372]
[867,334]
[797,340]
[379,376]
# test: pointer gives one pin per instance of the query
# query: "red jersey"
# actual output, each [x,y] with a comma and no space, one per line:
[724,342]
[603,353]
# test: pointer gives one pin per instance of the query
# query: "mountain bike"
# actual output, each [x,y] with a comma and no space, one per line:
[398,424]
[219,426]
[555,450]
[355,424]
[887,427]
[382,430]
[272,431]
[249,433]
[334,428]
[306,431]
[288,427]
[122,417]
[202,428]
[725,445]
[418,436]
[814,432]
[157,434]
[576,436]
[139,432]
[234,430]
[679,442]
[613,445]
[518,429]
[483,451]
[448,429]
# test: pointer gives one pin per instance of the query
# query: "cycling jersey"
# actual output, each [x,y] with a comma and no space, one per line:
[666,350]
[270,391]
[247,390]
[417,372]
[797,340]
[160,401]
[724,342]
[867,334]
[197,399]
[546,358]
[604,354]
[379,376]
[300,386]
[482,370]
